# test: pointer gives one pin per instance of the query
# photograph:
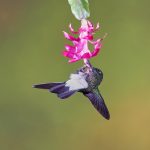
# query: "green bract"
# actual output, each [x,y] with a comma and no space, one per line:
[80,8]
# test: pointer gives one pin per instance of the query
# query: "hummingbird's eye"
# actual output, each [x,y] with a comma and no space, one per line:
[100,72]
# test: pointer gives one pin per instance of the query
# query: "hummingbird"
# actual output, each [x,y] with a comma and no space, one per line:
[86,81]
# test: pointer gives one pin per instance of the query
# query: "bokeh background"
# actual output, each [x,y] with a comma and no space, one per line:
[31,42]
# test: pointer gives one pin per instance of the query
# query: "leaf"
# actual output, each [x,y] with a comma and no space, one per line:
[80,8]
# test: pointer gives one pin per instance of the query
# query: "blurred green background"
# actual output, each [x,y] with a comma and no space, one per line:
[31,42]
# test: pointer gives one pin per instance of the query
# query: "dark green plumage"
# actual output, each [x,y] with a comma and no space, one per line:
[94,77]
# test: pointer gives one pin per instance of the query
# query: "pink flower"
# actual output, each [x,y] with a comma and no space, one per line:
[79,49]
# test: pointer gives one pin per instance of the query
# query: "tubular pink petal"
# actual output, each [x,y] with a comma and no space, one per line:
[65,53]
[68,54]
[80,46]
[95,42]
[89,37]
[90,27]
[95,52]
[86,55]
[73,60]
[72,30]
[90,24]
[75,42]
[97,49]
[82,30]
[97,26]
[69,37]
[70,48]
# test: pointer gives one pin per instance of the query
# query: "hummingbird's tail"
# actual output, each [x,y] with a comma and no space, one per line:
[58,88]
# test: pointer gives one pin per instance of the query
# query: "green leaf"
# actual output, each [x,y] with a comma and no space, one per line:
[80,8]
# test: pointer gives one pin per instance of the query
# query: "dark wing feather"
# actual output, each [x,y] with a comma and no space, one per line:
[48,85]
[98,102]
[58,88]
[66,94]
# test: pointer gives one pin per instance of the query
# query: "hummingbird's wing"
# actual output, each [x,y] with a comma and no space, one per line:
[66,89]
[74,84]
[98,102]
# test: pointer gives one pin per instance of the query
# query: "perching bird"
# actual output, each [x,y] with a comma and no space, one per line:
[86,80]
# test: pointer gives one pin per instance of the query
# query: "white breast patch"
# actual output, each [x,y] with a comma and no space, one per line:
[77,81]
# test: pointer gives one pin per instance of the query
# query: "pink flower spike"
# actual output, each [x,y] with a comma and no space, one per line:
[80,49]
